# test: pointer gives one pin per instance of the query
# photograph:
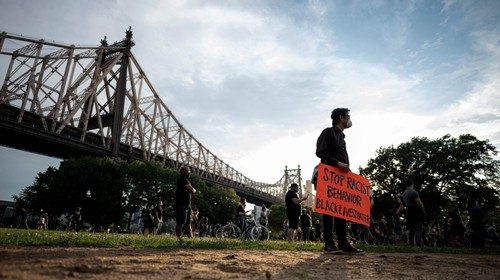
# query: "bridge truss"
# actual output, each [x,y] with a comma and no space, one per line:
[66,101]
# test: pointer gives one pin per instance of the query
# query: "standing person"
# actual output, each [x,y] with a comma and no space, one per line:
[43,220]
[477,226]
[148,219]
[158,217]
[263,219]
[396,221]
[240,213]
[317,231]
[331,149]
[285,228]
[182,204]
[293,201]
[23,218]
[305,224]
[76,221]
[415,215]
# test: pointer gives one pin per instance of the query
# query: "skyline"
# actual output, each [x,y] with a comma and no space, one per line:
[255,81]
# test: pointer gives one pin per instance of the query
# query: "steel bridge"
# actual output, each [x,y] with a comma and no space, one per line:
[69,101]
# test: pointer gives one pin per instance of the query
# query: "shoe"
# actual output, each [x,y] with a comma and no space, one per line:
[332,250]
[353,251]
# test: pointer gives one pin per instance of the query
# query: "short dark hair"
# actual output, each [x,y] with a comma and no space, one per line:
[337,113]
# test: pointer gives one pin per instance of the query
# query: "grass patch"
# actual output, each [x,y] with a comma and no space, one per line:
[20,237]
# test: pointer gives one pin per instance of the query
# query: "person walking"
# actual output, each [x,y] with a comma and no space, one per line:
[415,215]
[331,149]
[292,202]
[182,203]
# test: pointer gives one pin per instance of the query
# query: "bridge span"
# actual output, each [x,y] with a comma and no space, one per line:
[69,101]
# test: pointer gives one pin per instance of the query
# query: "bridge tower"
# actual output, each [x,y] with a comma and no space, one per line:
[292,176]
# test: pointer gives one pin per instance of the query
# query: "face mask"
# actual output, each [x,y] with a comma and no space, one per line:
[349,123]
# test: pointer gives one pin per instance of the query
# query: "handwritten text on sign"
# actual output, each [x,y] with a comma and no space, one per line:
[342,194]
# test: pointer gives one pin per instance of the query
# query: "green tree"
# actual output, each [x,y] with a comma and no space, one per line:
[277,214]
[148,183]
[452,172]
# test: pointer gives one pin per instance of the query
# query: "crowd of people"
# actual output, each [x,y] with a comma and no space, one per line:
[406,225]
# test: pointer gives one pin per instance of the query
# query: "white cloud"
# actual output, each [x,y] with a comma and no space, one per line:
[257,85]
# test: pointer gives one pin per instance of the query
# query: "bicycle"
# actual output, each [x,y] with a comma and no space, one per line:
[251,230]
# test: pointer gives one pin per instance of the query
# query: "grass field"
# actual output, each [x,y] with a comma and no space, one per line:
[20,237]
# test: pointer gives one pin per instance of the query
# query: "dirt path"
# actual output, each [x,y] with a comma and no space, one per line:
[126,263]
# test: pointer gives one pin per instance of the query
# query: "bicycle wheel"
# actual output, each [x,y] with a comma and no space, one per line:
[230,231]
[218,233]
[259,233]
[368,238]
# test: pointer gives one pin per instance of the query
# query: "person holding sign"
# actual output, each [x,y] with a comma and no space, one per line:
[331,149]
[293,208]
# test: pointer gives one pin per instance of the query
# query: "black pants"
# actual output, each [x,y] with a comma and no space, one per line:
[340,230]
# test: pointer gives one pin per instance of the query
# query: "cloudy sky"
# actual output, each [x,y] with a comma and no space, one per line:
[255,81]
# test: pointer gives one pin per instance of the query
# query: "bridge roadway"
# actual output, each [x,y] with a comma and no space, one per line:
[30,135]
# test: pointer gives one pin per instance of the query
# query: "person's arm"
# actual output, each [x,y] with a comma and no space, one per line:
[189,188]
[419,203]
[297,200]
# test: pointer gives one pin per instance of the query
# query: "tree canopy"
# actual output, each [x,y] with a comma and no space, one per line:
[107,189]
[449,173]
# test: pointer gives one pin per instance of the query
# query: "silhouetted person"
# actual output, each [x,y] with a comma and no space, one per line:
[317,231]
[240,213]
[457,228]
[331,149]
[415,215]
[292,202]
[148,219]
[76,221]
[263,219]
[305,223]
[23,218]
[477,226]
[182,204]
[158,213]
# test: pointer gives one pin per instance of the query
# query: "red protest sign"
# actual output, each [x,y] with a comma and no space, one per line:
[342,194]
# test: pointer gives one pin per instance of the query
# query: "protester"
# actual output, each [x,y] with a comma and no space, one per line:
[285,228]
[292,202]
[203,231]
[492,234]
[317,231]
[415,215]
[476,225]
[43,220]
[76,220]
[457,229]
[263,219]
[23,218]
[396,221]
[148,219]
[331,149]
[182,203]
[240,213]
[305,224]
[158,213]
